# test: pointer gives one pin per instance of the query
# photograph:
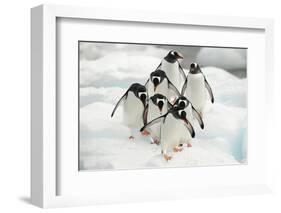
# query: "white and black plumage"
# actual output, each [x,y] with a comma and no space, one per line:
[170,122]
[171,66]
[134,101]
[191,114]
[157,105]
[194,88]
[159,83]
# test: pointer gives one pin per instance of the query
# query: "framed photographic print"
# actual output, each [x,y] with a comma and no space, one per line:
[135,102]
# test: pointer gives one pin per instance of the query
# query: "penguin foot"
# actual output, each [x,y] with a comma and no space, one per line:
[145,132]
[177,149]
[157,142]
[167,157]
[189,145]
[131,137]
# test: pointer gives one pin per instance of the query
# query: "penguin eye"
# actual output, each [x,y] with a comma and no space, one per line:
[160,99]
[156,77]
[193,65]
[172,53]
[180,111]
[142,94]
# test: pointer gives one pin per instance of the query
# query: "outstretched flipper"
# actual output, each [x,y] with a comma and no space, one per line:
[159,66]
[182,71]
[190,128]
[123,98]
[209,90]
[169,104]
[184,87]
[172,86]
[154,121]
[146,83]
[198,117]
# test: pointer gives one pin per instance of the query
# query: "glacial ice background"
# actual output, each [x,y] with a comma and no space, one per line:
[107,70]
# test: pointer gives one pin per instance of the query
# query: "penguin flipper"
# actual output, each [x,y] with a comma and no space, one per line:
[190,128]
[123,98]
[169,104]
[154,121]
[182,71]
[207,85]
[159,66]
[184,87]
[146,83]
[198,117]
[172,87]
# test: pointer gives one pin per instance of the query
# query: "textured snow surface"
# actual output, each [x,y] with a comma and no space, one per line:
[104,142]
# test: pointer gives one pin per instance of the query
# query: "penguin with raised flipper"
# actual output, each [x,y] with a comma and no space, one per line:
[134,101]
[157,105]
[159,83]
[170,122]
[194,88]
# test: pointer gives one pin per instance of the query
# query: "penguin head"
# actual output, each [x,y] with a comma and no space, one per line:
[194,68]
[140,92]
[182,102]
[157,77]
[159,100]
[173,56]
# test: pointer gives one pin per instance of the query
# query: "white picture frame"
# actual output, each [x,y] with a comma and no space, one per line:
[44,154]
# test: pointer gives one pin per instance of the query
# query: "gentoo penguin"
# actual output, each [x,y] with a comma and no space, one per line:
[174,71]
[134,101]
[159,83]
[170,122]
[194,88]
[191,114]
[157,105]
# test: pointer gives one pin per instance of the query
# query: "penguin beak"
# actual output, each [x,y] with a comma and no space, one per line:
[179,56]
[155,88]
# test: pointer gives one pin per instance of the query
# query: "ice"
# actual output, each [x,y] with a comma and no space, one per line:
[104,143]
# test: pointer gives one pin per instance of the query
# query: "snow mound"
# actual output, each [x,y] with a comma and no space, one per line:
[226,58]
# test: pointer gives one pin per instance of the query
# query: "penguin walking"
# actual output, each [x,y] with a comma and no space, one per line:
[157,105]
[171,66]
[134,101]
[191,114]
[159,83]
[194,88]
[170,122]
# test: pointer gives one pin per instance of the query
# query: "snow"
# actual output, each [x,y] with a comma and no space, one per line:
[104,142]
[226,58]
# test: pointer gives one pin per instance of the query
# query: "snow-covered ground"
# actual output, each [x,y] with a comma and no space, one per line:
[104,142]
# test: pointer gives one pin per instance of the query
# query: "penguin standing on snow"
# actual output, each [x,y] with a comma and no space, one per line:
[169,137]
[157,105]
[174,71]
[191,114]
[159,83]
[194,88]
[134,101]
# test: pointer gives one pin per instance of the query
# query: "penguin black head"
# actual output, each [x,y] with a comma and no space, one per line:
[194,68]
[157,77]
[173,56]
[139,91]
[182,102]
[159,100]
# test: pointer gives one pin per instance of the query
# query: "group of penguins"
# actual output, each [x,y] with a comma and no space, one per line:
[169,103]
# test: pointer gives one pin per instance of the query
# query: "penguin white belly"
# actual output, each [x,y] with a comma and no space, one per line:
[169,133]
[173,73]
[195,91]
[153,112]
[133,111]
[162,88]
